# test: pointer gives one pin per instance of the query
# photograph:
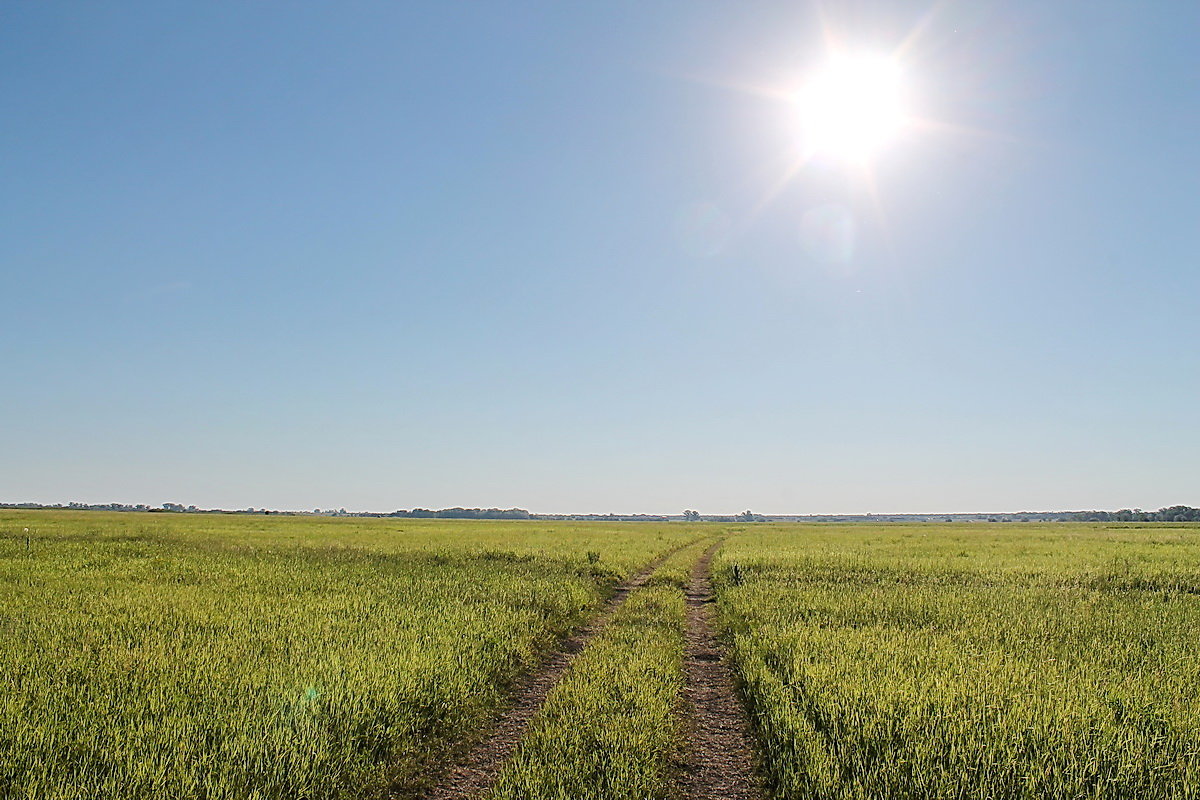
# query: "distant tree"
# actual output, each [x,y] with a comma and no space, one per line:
[691,516]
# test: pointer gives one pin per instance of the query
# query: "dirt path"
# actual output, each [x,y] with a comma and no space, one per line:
[477,770]
[719,761]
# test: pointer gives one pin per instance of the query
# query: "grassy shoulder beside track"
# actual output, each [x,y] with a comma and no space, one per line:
[970,661]
[157,656]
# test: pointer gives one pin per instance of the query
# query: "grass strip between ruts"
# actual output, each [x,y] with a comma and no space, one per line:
[608,730]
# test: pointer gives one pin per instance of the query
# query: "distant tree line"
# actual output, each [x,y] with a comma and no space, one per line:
[603,517]
[1168,514]
[73,506]
[745,516]
[178,508]
[464,513]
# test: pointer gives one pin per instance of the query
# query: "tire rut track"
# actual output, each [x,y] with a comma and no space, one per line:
[476,771]
[718,761]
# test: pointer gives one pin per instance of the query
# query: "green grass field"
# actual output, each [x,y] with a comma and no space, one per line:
[181,656]
[960,661]
[235,657]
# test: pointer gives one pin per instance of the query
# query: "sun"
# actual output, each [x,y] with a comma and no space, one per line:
[851,108]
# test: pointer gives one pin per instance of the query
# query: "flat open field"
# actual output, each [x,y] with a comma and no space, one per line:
[1051,661]
[172,655]
[220,656]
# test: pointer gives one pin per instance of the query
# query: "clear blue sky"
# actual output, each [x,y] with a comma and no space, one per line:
[385,255]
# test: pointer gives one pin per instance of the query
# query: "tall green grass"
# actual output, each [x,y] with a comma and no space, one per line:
[966,661]
[156,656]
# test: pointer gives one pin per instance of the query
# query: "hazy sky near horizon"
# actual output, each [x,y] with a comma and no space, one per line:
[386,255]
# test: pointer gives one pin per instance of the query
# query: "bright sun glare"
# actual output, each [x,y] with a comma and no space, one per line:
[851,108]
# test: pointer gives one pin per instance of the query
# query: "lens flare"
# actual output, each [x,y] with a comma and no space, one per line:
[828,235]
